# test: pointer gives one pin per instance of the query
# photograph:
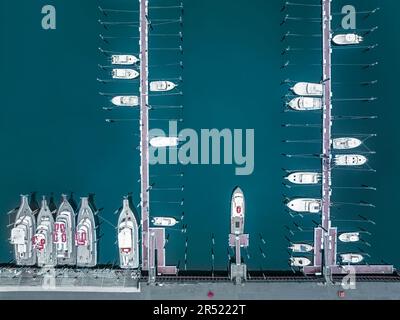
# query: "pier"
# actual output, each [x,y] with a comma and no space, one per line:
[325,236]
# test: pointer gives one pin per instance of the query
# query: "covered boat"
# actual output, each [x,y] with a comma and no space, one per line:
[346,143]
[304,177]
[305,205]
[85,236]
[299,262]
[301,247]
[349,237]
[350,160]
[351,258]
[160,142]
[164,221]
[125,101]
[162,85]
[124,59]
[347,39]
[308,89]
[125,74]
[305,104]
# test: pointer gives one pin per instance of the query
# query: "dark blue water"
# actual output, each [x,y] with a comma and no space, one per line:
[54,138]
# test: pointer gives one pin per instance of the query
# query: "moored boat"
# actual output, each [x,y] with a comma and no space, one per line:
[305,205]
[85,236]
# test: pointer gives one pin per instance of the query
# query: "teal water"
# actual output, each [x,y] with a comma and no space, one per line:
[54,138]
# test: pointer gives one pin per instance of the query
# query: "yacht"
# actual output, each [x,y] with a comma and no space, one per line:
[126,74]
[63,235]
[128,238]
[305,103]
[350,160]
[164,142]
[43,240]
[301,247]
[22,235]
[124,59]
[85,236]
[299,262]
[237,211]
[346,143]
[351,258]
[349,237]
[305,205]
[125,101]
[347,39]
[162,85]
[308,89]
[164,221]
[304,177]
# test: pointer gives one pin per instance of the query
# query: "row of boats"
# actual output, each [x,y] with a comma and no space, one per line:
[309,97]
[47,238]
[129,74]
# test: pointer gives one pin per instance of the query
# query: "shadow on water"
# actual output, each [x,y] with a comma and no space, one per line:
[33,202]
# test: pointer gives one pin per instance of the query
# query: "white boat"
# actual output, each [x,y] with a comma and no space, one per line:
[237,211]
[85,236]
[305,103]
[124,59]
[308,89]
[350,160]
[159,142]
[22,235]
[346,143]
[305,205]
[125,74]
[351,258]
[43,240]
[299,262]
[301,247]
[128,239]
[125,101]
[304,177]
[162,85]
[347,39]
[164,221]
[349,237]
[63,235]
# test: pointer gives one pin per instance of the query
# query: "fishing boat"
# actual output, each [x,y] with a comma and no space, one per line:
[85,236]
[351,258]
[347,39]
[160,142]
[164,221]
[349,237]
[299,261]
[128,239]
[124,59]
[237,211]
[350,160]
[305,104]
[22,235]
[306,205]
[162,85]
[125,74]
[43,238]
[346,143]
[301,247]
[63,235]
[308,89]
[125,101]
[304,177]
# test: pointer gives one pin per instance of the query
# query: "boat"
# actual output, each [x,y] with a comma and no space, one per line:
[347,39]
[305,104]
[351,258]
[43,238]
[22,235]
[126,74]
[350,160]
[349,237]
[63,235]
[128,238]
[308,89]
[301,247]
[164,221]
[346,143]
[237,211]
[162,85]
[299,261]
[159,142]
[125,101]
[124,59]
[85,236]
[305,205]
[304,177]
